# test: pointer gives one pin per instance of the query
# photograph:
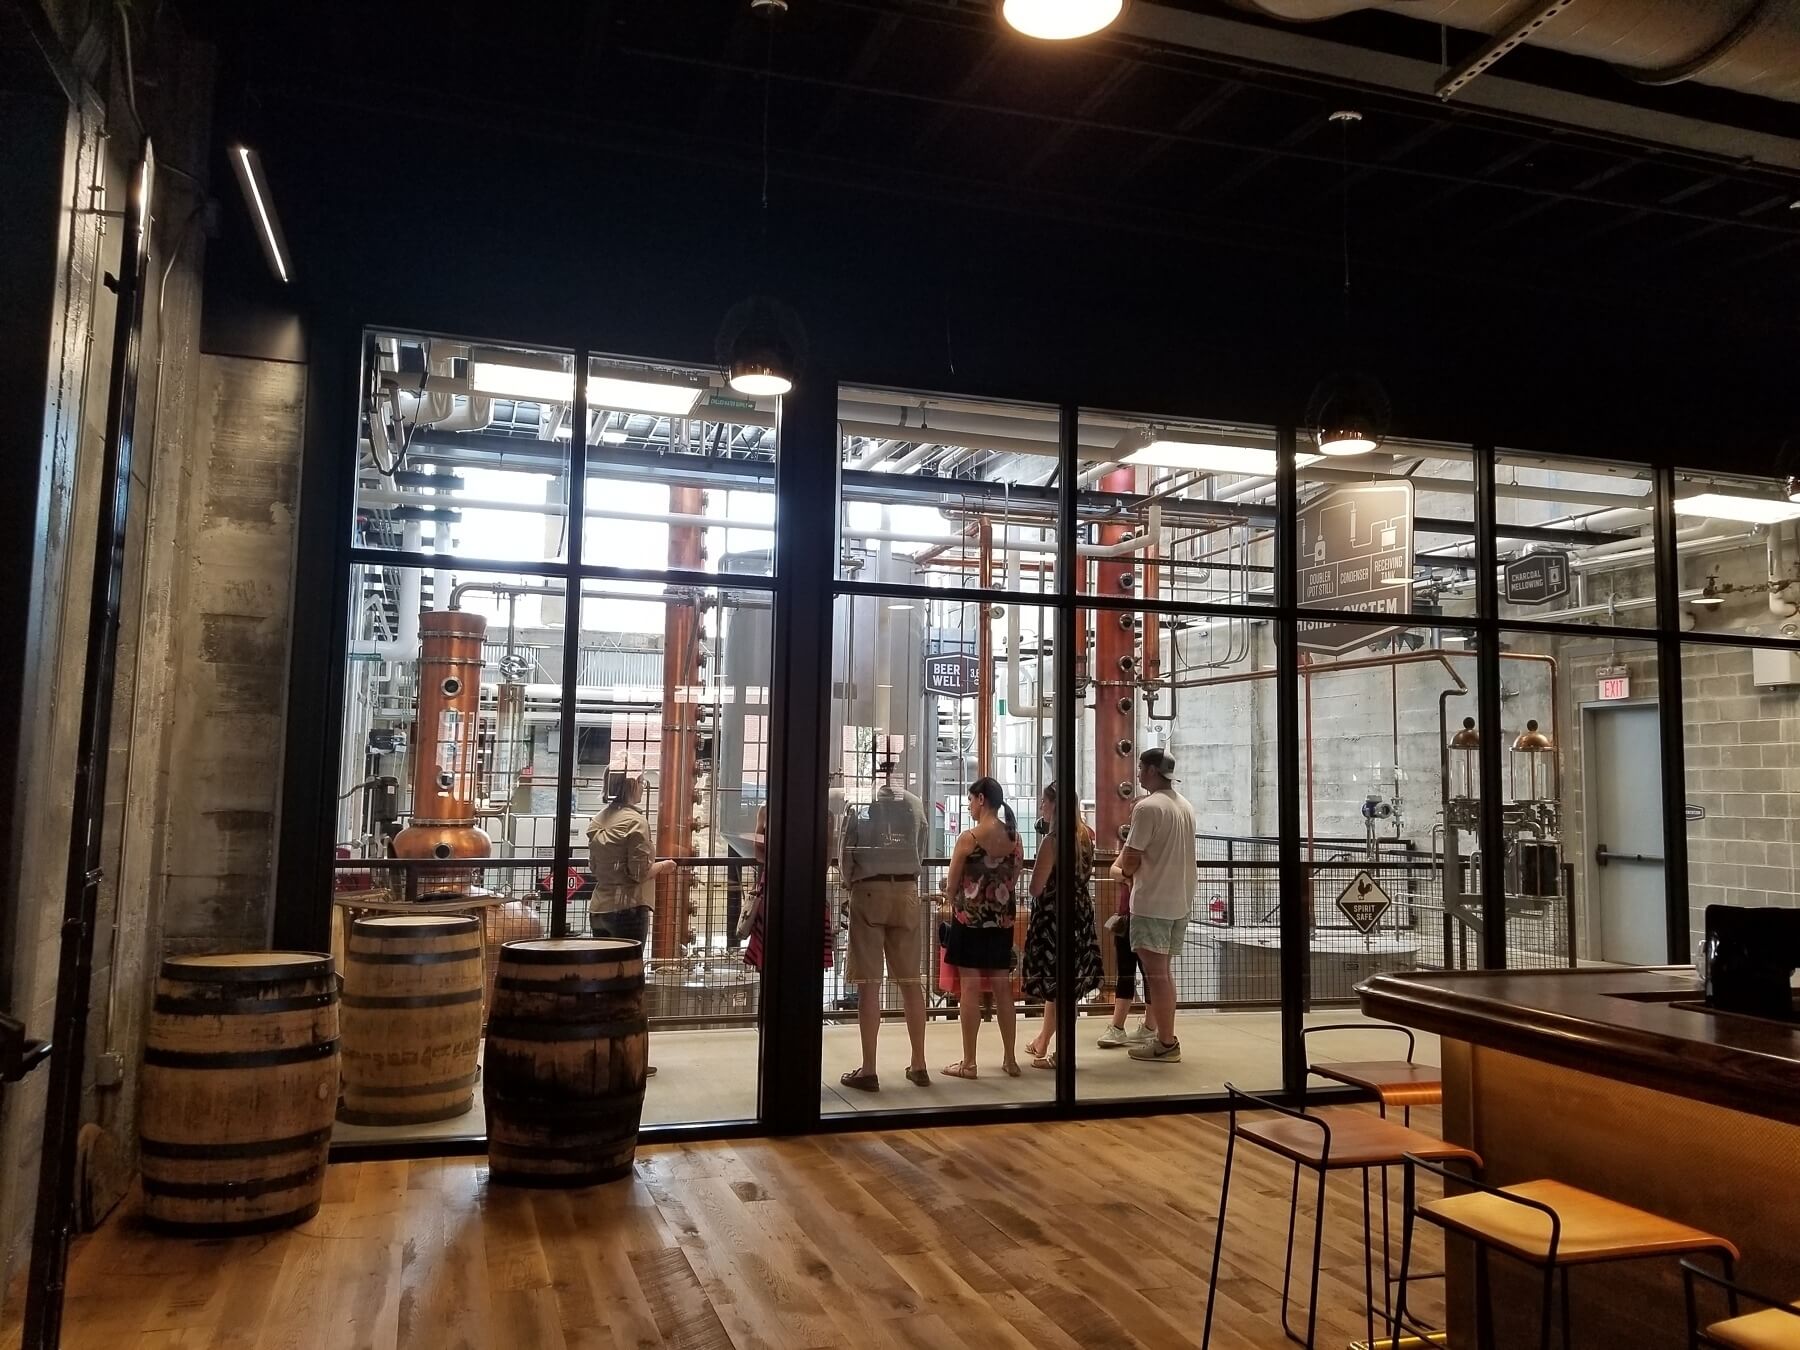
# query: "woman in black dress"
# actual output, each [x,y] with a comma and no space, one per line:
[1040,936]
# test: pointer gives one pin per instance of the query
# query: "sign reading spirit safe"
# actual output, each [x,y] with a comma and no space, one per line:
[1363,902]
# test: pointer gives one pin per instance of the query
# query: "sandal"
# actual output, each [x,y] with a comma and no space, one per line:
[1044,1061]
[919,1077]
[1012,1068]
[960,1069]
[862,1082]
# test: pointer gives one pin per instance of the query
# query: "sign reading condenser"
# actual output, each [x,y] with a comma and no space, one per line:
[1356,553]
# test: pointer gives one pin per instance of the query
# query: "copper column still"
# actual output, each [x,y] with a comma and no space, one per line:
[444,768]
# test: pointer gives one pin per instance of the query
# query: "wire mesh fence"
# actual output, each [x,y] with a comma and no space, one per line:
[1231,957]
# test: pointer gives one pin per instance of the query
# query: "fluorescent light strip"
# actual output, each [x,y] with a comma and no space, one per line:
[1731,506]
[1211,457]
[262,212]
[534,385]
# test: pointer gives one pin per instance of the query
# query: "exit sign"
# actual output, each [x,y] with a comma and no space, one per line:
[1615,682]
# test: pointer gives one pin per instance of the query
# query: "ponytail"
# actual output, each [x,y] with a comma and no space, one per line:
[990,791]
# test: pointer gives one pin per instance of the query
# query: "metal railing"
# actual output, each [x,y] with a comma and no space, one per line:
[1230,960]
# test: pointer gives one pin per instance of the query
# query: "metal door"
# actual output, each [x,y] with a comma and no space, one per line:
[1622,780]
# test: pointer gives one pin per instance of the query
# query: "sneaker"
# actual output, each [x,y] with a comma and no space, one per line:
[1153,1048]
[1115,1037]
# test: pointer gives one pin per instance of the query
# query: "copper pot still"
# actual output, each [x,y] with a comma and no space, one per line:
[444,761]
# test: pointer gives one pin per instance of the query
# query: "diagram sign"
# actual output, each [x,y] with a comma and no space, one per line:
[1363,902]
[1537,578]
[1356,553]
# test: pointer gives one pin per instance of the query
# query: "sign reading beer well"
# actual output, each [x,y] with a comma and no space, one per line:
[1356,553]
[1363,902]
[951,674]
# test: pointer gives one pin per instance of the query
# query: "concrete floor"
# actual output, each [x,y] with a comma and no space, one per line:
[711,1075]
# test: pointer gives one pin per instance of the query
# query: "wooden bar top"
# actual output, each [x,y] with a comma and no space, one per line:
[1617,1023]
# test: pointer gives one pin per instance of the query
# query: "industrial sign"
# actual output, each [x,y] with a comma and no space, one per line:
[1537,578]
[1614,681]
[1363,902]
[952,675]
[1695,811]
[1356,553]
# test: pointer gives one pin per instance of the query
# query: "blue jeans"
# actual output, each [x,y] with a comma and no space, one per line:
[632,924]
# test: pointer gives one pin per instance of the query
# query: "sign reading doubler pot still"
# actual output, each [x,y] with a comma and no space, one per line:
[1356,553]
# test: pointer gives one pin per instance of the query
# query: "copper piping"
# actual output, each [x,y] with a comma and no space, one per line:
[1114,649]
[984,656]
[681,673]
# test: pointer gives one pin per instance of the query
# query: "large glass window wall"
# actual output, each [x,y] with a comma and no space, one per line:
[1413,718]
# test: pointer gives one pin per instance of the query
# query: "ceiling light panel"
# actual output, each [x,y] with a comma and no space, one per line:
[610,392]
[1161,449]
[1731,506]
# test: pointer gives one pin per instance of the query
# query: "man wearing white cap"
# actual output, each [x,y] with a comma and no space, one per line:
[1158,860]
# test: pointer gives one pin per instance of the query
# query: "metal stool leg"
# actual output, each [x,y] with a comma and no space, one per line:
[1312,1306]
[1368,1262]
[1546,1303]
[1565,1310]
[1484,1301]
[1287,1264]
[1212,1284]
[1398,1318]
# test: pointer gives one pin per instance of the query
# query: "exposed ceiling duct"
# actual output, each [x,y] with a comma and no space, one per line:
[1748,46]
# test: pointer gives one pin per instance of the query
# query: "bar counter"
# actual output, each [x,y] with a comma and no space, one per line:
[1603,1079]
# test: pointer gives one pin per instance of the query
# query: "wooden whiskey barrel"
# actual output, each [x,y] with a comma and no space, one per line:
[567,1044]
[412,1018]
[240,1080]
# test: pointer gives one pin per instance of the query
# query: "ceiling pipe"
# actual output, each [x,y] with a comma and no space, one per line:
[1751,48]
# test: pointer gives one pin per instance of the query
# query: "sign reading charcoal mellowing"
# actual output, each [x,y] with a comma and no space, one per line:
[1356,553]
[1537,578]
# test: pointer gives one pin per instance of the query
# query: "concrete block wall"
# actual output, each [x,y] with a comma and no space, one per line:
[1743,768]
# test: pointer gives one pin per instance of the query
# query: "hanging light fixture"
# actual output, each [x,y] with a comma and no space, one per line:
[1061,20]
[761,342]
[1349,411]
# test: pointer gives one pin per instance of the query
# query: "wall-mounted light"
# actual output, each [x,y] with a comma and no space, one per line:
[247,165]
[1061,20]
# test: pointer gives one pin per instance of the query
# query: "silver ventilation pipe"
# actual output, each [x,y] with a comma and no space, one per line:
[1748,46]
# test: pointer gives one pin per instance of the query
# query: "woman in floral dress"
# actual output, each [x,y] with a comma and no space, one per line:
[983,879]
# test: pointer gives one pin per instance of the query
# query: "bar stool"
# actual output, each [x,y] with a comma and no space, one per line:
[1334,1139]
[1392,1082]
[1776,1327]
[1545,1224]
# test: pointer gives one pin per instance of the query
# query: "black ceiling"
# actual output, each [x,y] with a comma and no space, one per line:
[944,194]
[934,100]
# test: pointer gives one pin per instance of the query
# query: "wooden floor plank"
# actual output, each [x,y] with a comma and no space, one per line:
[1093,1235]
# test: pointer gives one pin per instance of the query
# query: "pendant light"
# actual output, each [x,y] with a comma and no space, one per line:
[1349,410]
[761,342]
[1061,20]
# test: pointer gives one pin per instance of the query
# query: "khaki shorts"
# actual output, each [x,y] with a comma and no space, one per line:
[884,920]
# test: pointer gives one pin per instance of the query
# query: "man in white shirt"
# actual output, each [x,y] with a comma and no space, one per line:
[1158,860]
